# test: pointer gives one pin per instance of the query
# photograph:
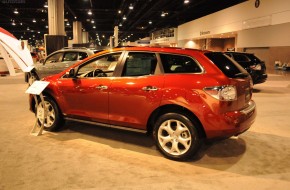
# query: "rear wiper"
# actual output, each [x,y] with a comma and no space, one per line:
[242,75]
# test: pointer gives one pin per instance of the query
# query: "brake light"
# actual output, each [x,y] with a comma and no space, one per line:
[222,93]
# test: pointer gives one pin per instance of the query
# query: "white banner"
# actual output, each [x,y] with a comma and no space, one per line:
[16,50]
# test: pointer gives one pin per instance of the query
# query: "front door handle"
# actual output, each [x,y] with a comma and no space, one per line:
[102,87]
[150,88]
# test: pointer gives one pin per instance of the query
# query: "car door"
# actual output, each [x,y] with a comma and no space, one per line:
[137,92]
[86,95]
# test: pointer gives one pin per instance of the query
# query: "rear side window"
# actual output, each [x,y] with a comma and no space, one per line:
[70,56]
[139,64]
[179,64]
[82,55]
[230,68]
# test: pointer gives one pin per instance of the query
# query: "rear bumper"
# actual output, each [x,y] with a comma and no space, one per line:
[234,123]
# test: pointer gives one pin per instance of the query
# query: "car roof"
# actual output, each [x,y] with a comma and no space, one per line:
[157,49]
[74,50]
[234,52]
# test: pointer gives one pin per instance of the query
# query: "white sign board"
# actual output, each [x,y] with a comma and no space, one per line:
[37,87]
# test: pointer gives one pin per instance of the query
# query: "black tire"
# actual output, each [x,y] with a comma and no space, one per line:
[53,120]
[176,136]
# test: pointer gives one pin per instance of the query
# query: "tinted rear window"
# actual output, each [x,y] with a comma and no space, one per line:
[230,68]
[254,59]
[179,64]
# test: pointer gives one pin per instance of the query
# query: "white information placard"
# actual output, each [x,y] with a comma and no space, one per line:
[37,87]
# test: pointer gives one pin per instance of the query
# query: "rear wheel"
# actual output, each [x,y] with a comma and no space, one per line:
[53,119]
[176,136]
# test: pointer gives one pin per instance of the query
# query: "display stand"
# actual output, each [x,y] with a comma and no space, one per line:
[36,90]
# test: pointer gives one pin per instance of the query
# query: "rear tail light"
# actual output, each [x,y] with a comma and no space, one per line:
[222,93]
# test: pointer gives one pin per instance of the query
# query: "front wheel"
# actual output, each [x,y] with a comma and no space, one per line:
[176,136]
[52,119]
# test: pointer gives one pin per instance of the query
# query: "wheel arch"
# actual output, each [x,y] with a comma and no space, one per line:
[175,109]
[45,94]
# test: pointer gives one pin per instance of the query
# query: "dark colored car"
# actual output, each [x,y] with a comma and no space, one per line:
[181,96]
[57,62]
[252,64]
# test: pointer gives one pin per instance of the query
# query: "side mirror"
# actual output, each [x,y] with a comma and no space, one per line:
[71,73]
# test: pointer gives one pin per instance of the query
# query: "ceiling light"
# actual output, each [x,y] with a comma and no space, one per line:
[186,1]
[119,11]
[15,11]
[94,26]
[150,22]
[34,20]
[67,24]
[75,17]
[28,28]
[124,18]
[92,21]
[45,5]
[13,23]
[131,7]
[90,12]
[120,24]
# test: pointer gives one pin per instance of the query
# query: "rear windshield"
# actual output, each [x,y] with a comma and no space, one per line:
[253,58]
[230,68]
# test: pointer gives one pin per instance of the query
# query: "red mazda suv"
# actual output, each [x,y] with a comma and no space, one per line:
[181,96]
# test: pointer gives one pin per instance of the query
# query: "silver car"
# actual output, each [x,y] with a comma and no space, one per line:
[57,62]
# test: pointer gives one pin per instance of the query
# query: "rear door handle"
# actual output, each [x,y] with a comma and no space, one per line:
[102,87]
[150,88]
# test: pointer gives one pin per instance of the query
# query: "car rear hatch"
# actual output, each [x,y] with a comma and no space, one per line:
[238,77]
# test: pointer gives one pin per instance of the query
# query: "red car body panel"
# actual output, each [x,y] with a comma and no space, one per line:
[126,103]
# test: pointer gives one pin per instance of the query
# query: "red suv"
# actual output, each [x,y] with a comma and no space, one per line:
[181,96]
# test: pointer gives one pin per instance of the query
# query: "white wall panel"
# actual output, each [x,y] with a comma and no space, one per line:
[270,12]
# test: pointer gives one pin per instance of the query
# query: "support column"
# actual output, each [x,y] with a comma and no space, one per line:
[56,17]
[85,36]
[116,34]
[77,32]
[56,39]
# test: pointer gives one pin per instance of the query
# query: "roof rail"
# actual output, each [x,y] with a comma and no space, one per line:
[74,48]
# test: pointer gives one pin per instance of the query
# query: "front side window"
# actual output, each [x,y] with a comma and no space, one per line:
[179,64]
[102,66]
[54,58]
[140,64]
